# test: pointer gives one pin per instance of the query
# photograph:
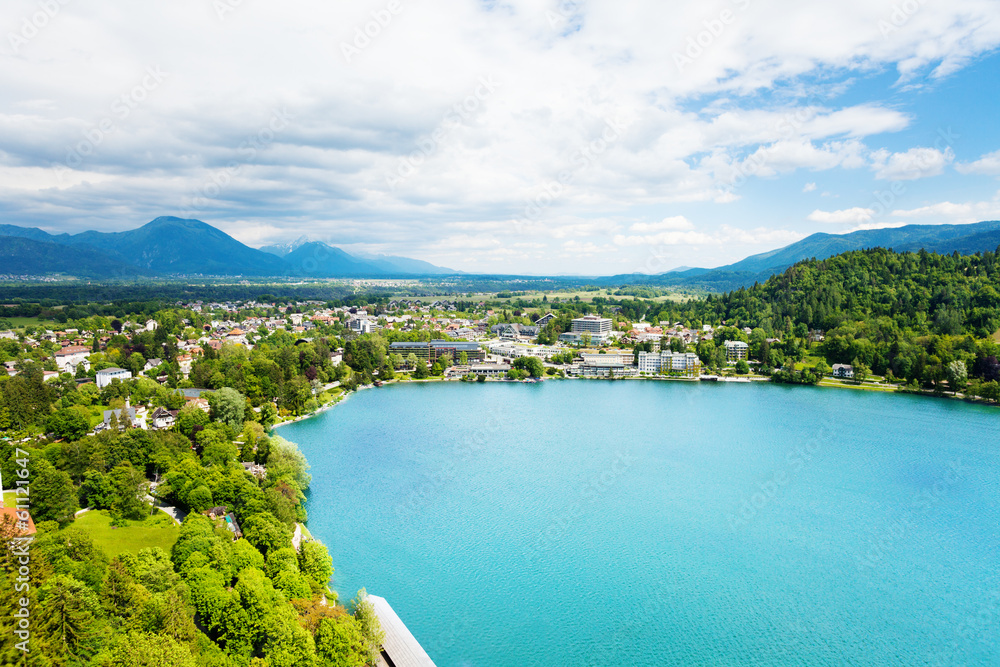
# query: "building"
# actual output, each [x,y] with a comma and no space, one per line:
[656,363]
[603,366]
[399,647]
[163,418]
[843,371]
[361,325]
[736,350]
[68,358]
[597,327]
[108,375]
[489,370]
[544,320]
[429,352]
[15,522]
[257,470]
[625,358]
[515,330]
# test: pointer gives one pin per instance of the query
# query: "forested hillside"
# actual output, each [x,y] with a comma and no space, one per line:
[906,314]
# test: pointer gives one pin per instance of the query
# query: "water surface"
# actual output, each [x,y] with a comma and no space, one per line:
[657,523]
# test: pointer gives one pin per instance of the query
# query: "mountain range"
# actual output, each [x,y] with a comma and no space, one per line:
[964,239]
[175,246]
[170,246]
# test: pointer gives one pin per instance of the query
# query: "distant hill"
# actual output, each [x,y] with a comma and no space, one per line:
[175,246]
[320,259]
[24,256]
[965,239]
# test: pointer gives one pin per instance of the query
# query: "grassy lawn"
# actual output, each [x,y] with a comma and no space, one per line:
[996,336]
[9,498]
[808,361]
[21,322]
[158,530]
[849,384]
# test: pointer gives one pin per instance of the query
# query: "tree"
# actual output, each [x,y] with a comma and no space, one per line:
[190,418]
[339,642]
[958,376]
[315,563]
[68,610]
[861,371]
[742,367]
[421,370]
[71,423]
[53,496]
[371,630]
[127,486]
[228,406]
[266,533]
[533,365]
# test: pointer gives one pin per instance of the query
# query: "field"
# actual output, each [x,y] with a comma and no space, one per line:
[22,322]
[158,530]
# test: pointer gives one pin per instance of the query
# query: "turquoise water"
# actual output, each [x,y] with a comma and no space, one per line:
[656,523]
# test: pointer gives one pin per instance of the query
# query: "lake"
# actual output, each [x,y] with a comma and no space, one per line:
[665,523]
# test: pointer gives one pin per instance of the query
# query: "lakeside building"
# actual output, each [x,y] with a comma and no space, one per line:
[108,375]
[654,363]
[736,350]
[625,358]
[510,350]
[602,366]
[592,324]
[843,371]
[433,350]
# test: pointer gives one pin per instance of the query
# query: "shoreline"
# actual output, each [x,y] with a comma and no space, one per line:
[747,379]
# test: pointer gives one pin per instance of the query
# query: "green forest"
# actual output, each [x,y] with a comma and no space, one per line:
[208,600]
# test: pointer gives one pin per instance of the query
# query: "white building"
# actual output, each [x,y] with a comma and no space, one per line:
[624,358]
[68,358]
[843,371]
[736,350]
[594,325]
[108,375]
[655,363]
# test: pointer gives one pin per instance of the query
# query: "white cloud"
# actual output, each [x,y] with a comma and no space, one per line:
[874,225]
[911,165]
[675,223]
[809,187]
[945,208]
[844,216]
[988,164]
[552,97]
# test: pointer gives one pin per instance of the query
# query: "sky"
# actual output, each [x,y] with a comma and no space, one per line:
[528,137]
